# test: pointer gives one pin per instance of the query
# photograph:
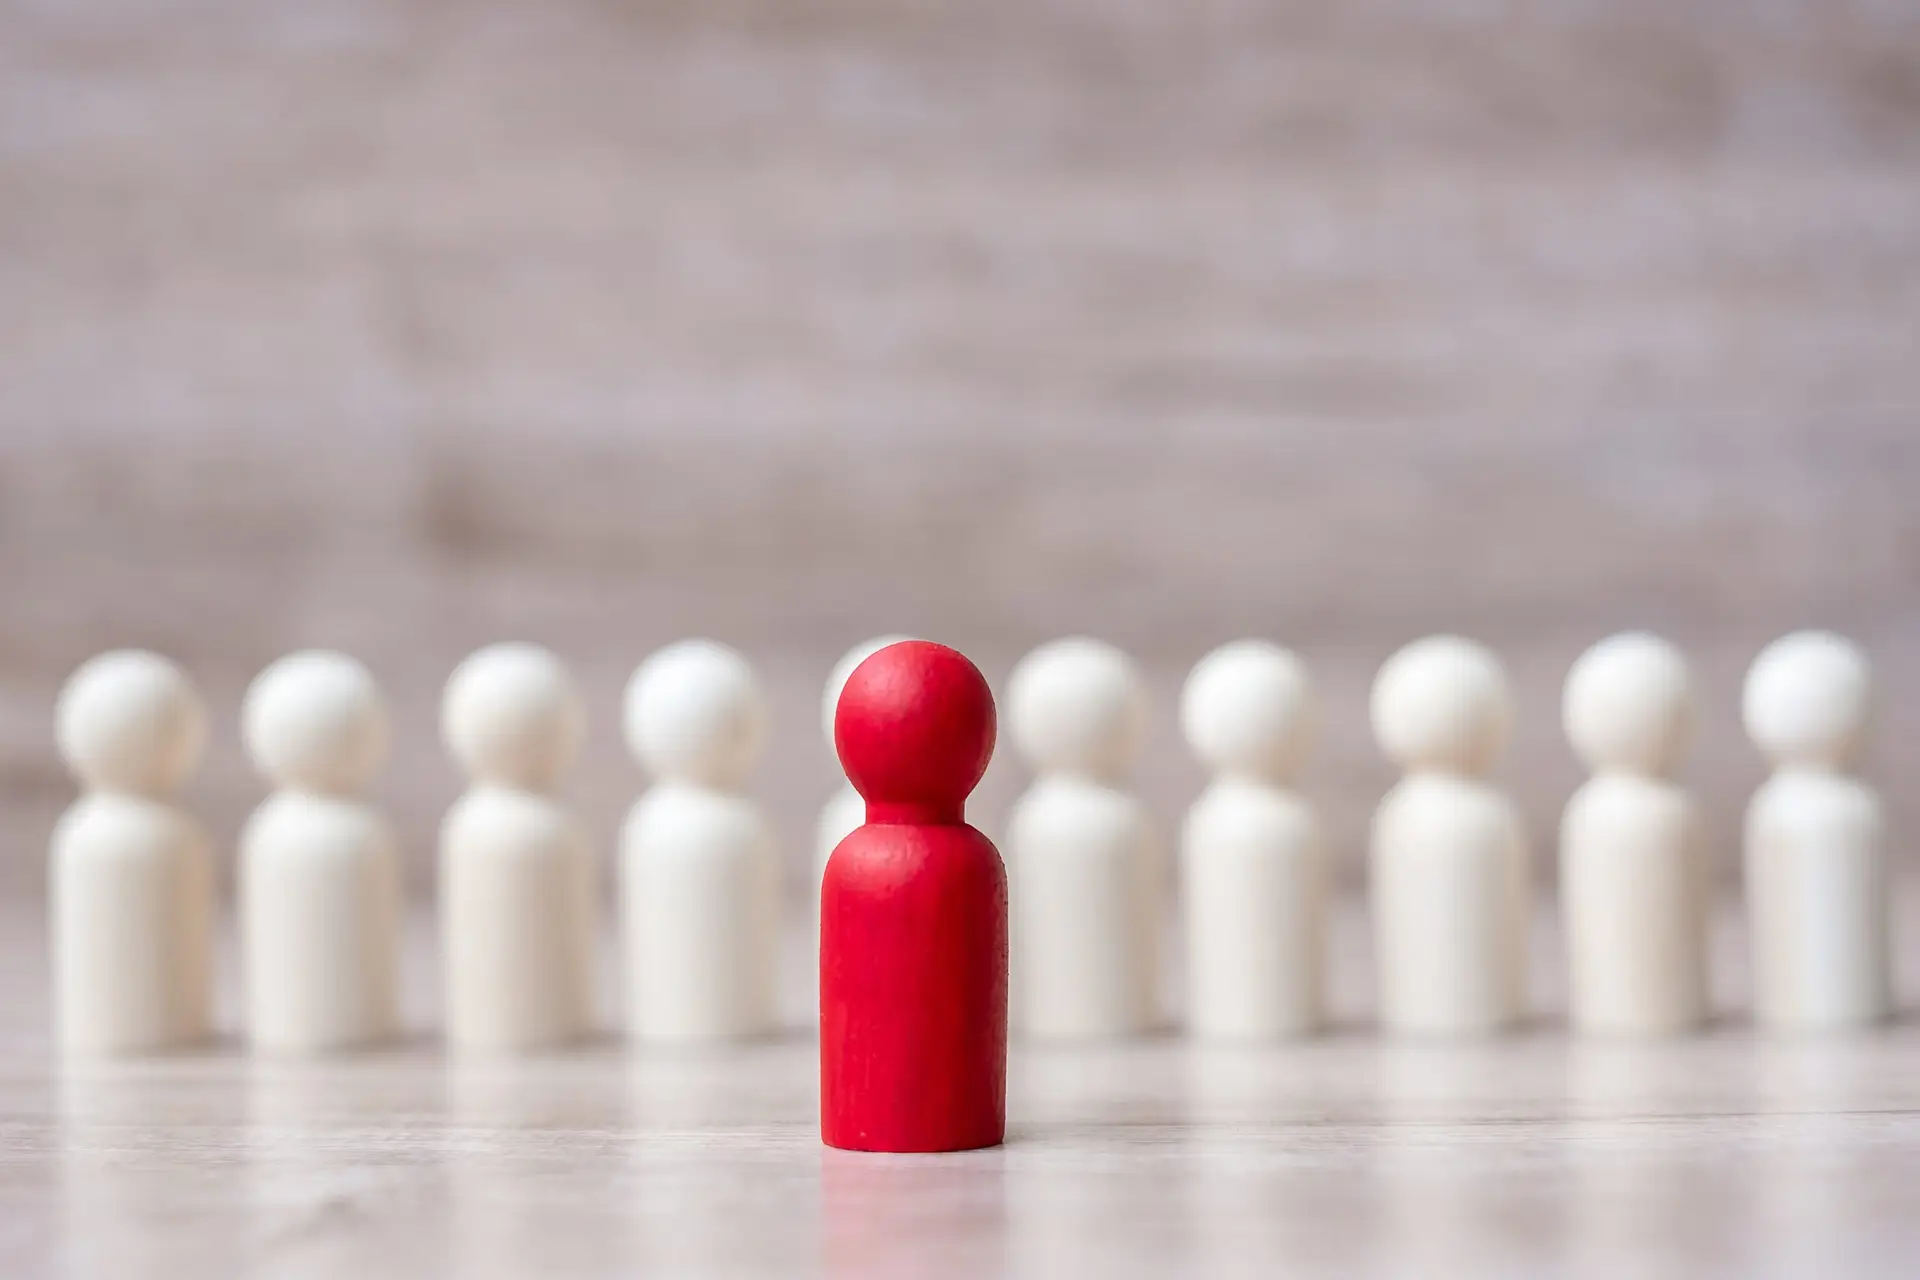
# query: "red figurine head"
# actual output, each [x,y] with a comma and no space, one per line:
[915,729]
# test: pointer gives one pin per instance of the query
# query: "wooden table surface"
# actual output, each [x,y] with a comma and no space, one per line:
[1344,1155]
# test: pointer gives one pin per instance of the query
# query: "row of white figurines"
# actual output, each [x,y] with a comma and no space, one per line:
[319,898]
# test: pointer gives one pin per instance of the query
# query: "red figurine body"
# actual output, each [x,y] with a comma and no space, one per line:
[913,917]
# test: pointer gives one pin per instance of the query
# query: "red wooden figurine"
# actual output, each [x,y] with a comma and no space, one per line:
[913,917]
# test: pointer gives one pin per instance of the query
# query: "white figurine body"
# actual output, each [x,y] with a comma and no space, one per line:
[516,871]
[844,810]
[1633,874]
[1253,861]
[320,909]
[1818,886]
[1449,859]
[1084,876]
[131,874]
[699,885]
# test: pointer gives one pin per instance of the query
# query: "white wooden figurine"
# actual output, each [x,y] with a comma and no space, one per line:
[1253,863]
[1449,857]
[1084,872]
[1633,874]
[517,903]
[1818,885]
[131,873]
[320,906]
[699,888]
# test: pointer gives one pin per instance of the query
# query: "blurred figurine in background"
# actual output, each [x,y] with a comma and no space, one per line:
[517,903]
[1080,849]
[1252,858]
[699,873]
[1633,869]
[1449,856]
[132,873]
[320,906]
[1818,889]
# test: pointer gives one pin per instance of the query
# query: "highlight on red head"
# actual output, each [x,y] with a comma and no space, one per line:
[914,730]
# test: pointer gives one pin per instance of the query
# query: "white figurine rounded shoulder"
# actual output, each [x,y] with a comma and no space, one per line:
[320,907]
[1449,861]
[1253,865]
[1818,884]
[1084,874]
[516,869]
[1633,874]
[699,870]
[131,874]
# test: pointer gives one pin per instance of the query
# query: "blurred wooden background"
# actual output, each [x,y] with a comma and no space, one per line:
[403,328]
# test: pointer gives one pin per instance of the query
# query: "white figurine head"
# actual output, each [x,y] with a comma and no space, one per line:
[695,713]
[1806,700]
[1628,705]
[513,716]
[837,678]
[1442,703]
[314,721]
[1077,706]
[1247,708]
[130,721]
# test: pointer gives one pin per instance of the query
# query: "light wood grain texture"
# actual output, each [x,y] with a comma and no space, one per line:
[1344,1155]
[407,328]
